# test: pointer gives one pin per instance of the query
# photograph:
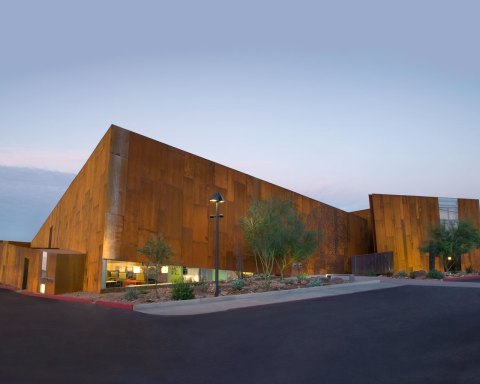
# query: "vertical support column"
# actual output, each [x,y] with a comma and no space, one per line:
[43,276]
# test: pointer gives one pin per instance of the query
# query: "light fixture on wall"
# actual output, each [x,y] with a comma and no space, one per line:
[137,269]
[216,198]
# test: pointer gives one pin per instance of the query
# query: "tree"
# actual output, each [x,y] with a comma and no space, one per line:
[450,242]
[300,243]
[157,252]
[275,233]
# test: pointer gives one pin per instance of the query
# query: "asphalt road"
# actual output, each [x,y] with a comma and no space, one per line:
[408,334]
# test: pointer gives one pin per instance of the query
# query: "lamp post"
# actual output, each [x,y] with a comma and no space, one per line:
[216,198]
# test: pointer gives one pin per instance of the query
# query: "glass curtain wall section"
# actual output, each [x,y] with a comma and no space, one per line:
[448,208]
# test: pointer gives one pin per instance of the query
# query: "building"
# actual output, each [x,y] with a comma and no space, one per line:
[400,224]
[133,187]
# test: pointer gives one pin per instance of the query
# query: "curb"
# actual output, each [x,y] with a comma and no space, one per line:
[101,303]
[462,278]
[7,288]
[53,297]
[246,296]
[114,304]
[131,307]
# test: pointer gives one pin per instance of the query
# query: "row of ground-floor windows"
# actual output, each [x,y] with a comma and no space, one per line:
[125,273]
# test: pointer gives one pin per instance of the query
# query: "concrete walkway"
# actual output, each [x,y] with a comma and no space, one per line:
[225,303]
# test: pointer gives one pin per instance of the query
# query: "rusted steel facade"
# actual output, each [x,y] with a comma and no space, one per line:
[133,187]
[401,225]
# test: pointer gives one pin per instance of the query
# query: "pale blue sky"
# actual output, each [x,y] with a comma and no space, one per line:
[334,100]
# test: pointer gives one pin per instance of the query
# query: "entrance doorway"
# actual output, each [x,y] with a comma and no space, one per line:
[25,273]
[453,264]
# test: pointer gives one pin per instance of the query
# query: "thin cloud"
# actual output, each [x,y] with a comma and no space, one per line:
[42,159]
[27,196]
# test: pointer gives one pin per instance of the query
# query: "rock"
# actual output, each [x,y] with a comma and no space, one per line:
[419,274]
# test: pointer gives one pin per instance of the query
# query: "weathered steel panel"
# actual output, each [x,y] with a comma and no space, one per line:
[401,225]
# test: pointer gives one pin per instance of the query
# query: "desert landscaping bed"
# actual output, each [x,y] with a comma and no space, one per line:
[148,294]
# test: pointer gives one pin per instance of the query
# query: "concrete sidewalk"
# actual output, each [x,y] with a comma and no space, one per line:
[225,303]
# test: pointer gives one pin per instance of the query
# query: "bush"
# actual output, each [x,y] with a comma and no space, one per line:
[315,283]
[132,294]
[182,291]
[434,274]
[301,277]
[401,274]
[200,283]
[237,284]
[469,269]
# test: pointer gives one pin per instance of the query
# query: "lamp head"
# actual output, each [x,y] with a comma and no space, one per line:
[217,198]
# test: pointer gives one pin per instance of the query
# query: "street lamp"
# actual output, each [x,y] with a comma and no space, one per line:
[216,198]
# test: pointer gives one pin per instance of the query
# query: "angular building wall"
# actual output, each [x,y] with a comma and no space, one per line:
[78,220]
[133,187]
[167,190]
[401,224]
[360,235]
[468,209]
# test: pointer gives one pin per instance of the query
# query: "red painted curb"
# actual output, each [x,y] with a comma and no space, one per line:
[461,278]
[114,304]
[102,303]
[8,288]
[54,297]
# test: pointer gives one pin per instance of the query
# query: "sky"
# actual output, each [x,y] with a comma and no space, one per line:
[332,99]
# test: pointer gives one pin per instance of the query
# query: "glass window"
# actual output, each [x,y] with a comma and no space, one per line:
[448,208]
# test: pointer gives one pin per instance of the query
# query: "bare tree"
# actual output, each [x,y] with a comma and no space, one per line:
[158,252]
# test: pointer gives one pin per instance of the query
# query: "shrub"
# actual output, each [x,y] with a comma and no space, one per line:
[401,274]
[237,284]
[132,294]
[434,274]
[412,275]
[469,269]
[301,276]
[182,291]
[315,283]
[200,283]
[176,279]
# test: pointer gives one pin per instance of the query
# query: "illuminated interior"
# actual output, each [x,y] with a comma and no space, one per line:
[125,273]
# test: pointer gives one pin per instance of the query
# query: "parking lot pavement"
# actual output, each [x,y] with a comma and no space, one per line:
[406,334]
